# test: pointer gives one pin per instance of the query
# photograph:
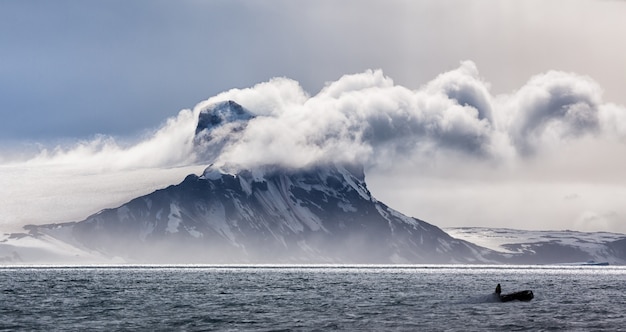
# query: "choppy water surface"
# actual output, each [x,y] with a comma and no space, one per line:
[307,298]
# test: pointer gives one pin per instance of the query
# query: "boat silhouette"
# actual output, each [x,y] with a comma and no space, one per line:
[524,295]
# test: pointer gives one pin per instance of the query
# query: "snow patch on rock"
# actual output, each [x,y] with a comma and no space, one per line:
[173,219]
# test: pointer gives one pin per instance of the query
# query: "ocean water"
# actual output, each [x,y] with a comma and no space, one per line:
[275,298]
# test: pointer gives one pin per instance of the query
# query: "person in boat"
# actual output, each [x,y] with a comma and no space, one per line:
[525,295]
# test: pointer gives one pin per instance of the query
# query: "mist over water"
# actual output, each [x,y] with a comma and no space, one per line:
[260,298]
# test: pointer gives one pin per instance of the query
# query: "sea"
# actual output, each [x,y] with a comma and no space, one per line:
[311,298]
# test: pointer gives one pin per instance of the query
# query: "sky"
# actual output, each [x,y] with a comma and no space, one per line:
[465,113]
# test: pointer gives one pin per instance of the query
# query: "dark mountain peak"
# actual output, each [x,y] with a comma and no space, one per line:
[219,125]
[221,113]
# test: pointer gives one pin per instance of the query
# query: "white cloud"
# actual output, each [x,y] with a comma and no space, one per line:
[553,107]
[613,121]
[69,183]
[169,146]
[360,117]
[366,118]
[40,194]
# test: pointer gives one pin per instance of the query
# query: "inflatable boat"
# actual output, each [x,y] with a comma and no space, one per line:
[525,295]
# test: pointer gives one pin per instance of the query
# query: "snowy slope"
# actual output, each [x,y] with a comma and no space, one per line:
[547,247]
[272,215]
[47,249]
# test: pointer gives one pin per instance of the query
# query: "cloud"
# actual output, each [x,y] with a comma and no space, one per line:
[366,118]
[69,182]
[593,220]
[613,121]
[553,107]
[169,146]
[465,86]
[360,117]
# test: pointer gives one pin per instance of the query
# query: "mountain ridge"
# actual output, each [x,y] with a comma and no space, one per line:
[320,215]
[547,247]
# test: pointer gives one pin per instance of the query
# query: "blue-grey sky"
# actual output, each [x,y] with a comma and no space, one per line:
[483,113]
[74,68]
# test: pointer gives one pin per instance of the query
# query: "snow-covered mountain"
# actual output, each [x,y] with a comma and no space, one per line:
[274,214]
[22,248]
[547,247]
[269,214]
[321,215]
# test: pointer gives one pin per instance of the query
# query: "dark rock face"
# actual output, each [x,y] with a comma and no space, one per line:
[220,114]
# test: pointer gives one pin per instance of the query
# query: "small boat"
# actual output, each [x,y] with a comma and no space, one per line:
[525,295]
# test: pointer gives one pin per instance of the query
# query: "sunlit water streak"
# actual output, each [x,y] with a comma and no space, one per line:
[310,297]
